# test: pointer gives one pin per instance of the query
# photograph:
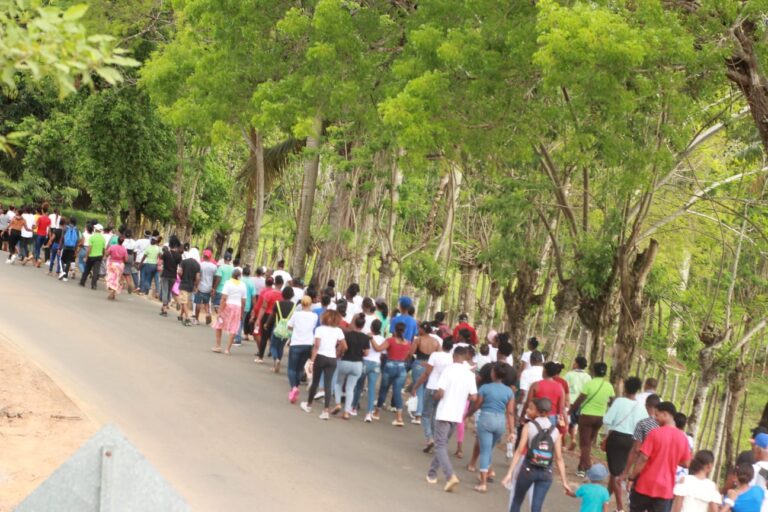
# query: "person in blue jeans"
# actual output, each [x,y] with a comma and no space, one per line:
[371,372]
[394,372]
[496,402]
[535,468]
[422,347]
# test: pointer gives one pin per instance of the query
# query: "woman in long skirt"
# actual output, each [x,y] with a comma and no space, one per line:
[117,255]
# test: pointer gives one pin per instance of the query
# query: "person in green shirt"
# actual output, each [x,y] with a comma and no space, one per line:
[148,267]
[220,278]
[576,379]
[592,404]
[93,256]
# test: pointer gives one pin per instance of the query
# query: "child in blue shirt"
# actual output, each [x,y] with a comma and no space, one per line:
[594,496]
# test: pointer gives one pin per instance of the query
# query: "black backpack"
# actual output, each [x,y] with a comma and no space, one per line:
[541,451]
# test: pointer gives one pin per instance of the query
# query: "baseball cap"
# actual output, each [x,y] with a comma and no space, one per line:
[406,301]
[761,441]
[227,256]
[98,227]
[207,254]
[597,473]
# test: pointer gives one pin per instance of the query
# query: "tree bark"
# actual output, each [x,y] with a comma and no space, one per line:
[468,299]
[737,382]
[519,301]
[711,339]
[632,278]
[338,216]
[676,323]
[304,221]
[386,268]
[743,69]
[566,302]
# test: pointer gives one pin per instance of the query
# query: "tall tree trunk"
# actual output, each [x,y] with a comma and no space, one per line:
[737,382]
[180,217]
[632,278]
[338,215]
[386,268]
[488,307]
[676,322]
[707,374]
[304,221]
[519,301]
[566,305]
[468,298]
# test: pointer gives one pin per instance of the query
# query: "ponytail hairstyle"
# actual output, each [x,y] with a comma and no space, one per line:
[359,320]
[701,460]
[399,329]
[376,327]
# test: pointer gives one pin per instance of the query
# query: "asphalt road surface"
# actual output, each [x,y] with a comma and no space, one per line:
[220,428]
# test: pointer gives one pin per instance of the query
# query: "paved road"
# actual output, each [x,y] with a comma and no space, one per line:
[219,428]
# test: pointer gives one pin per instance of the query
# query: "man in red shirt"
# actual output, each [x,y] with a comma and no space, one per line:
[463,324]
[653,475]
[263,309]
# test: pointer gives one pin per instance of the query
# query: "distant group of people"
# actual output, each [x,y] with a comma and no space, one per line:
[360,358]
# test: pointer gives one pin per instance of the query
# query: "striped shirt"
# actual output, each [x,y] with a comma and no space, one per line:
[644,427]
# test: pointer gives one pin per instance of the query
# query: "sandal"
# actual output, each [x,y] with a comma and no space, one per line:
[481,488]
[428,448]
[336,410]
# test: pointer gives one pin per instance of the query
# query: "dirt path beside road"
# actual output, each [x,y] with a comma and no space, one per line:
[40,427]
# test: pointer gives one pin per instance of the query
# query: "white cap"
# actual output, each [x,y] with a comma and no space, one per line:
[98,227]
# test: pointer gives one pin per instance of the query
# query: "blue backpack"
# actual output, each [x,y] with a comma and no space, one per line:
[71,236]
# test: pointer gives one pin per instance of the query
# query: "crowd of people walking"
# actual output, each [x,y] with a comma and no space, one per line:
[358,358]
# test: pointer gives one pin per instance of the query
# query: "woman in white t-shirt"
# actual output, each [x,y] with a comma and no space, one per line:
[302,326]
[371,371]
[329,343]
[695,492]
[230,310]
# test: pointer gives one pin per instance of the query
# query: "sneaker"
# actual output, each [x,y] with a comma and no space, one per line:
[398,423]
[64,279]
[324,415]
[368,418]
[416,420]
[62,276]
[431,479]
[319,395]
[581,474]
[392,409]
[237,344]
[305,407]
[375,416]
[452,482]
[258,360]
[353,412]
[293,395]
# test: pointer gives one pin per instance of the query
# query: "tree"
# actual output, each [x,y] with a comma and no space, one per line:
[44,42]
